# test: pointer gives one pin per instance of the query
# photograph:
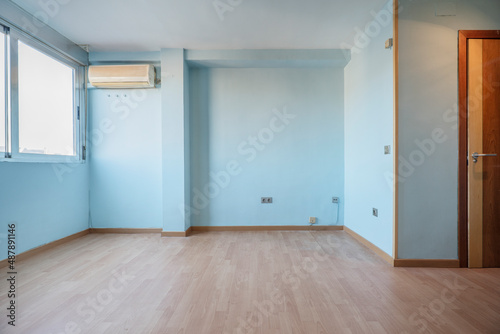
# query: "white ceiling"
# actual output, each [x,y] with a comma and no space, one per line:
[149,25]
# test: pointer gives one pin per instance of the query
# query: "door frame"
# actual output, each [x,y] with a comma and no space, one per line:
[463,115]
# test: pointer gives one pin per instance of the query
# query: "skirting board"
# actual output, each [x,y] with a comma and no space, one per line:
[422,263]
[386,257]
[264,228]
[411,263]
[46,247]
[177,234]
[415,263]
[126,230]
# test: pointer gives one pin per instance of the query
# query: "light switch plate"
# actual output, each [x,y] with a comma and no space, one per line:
[389,43]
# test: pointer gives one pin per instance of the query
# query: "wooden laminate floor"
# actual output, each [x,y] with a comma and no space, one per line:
[243,282]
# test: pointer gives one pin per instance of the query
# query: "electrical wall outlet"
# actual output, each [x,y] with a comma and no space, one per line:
[375,212]
[312,220]
[387,149]
[335,200]
[266,200]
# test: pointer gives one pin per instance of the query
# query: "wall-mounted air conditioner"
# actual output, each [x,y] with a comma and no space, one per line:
[122,76]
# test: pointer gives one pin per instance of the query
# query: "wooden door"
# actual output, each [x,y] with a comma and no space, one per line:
[484,152]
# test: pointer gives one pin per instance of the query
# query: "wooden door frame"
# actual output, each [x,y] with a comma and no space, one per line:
[463,112]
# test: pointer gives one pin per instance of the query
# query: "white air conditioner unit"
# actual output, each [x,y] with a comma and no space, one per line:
[122,76]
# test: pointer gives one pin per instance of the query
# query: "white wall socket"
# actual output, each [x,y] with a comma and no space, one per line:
[312,220]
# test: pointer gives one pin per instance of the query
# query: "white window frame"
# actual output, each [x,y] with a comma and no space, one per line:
[6,107]
[12,103]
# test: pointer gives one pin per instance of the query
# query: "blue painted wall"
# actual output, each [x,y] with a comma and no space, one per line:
[428,79]
[125,158]
[47,202]
[266,133]
[301,164]
[368,128]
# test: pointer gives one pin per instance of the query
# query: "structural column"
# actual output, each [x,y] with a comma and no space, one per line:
[175,141]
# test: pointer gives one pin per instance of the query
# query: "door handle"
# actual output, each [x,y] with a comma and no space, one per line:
[476,155]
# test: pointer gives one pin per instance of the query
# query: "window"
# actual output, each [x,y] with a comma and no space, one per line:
[40,105]
[46,99]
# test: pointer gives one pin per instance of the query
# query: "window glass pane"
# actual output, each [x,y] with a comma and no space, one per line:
[2,91]
[45,104]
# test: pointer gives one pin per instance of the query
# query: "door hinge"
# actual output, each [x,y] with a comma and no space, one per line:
[78,113]
[84,152]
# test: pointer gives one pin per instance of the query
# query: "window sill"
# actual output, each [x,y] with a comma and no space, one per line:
[44,160]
